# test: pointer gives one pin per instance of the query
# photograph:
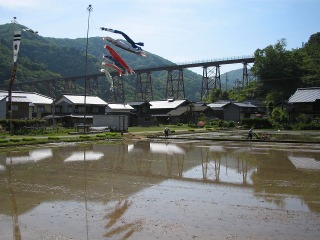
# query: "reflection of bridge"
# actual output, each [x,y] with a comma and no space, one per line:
[143,92]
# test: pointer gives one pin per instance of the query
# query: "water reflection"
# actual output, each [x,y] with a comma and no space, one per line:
[305,163]
[97,182]
[114,217]
[30,156]
[84,156]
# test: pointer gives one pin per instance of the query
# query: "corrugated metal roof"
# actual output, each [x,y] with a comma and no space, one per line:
[16,99]
[91,100]
[248,105]
[305,95]
[117,106]
[166,104]
[217,105]
[33,97]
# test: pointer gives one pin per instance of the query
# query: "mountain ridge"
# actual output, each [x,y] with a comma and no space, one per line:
[48,57]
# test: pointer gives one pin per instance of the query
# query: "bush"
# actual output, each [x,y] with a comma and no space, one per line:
[307,126]
[24,126]
[53,138]
[85,136]
[15,140]
[257,123]
[28,139]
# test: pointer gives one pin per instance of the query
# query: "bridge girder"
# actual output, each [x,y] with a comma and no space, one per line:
[174,88]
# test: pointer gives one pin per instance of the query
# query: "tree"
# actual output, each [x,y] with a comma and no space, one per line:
[311,61]
[217,94]
[252,91]
[278,69]
[280,116]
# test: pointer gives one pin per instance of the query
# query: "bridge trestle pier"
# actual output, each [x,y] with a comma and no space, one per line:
[175,84]
[210,80]
[116,92]
[143,87]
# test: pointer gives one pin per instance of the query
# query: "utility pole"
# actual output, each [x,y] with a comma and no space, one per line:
[227,82]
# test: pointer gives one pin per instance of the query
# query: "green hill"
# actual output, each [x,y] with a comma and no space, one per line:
[46,58]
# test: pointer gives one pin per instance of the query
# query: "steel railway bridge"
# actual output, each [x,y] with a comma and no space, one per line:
[143,91]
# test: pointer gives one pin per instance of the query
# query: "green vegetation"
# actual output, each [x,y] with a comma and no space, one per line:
[48,58]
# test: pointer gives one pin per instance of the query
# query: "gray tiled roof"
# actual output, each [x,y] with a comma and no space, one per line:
[305,95]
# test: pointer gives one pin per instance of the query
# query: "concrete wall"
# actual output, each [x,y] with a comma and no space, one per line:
[115,122]
[3,109]
[232,113]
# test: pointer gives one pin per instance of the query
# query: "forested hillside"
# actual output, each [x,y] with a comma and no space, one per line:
[279,71]
[45,58]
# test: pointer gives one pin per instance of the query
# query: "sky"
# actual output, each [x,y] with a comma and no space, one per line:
[182,31]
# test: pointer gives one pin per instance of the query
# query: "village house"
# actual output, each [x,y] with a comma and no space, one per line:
[160,109]
[191,113]
[140,115]
[305,101]
[28,104]
[74,110]
[234,111]
[116,117]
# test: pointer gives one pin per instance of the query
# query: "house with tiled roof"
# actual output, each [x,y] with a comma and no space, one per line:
[191,113]
[28,104]
[140,115]
[234,111]
[73,110]
[306,101]
[160,109]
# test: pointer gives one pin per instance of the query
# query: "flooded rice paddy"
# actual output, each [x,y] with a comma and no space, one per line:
[161,190]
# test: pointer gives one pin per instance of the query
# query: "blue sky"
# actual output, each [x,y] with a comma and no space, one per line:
[178,30]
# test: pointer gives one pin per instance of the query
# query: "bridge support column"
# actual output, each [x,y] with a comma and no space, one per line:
[175,84]
[69,86]
[143,87]
[93,86]
[246,75]
[210,80]
[245,78]
[116,93]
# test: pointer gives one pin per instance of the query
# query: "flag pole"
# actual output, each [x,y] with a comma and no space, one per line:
[16,46]
[89,9]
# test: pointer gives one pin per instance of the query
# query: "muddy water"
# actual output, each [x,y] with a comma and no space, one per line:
[161,190]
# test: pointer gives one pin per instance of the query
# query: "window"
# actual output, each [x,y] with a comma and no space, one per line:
[15,108]
[41,109]
[80,109]
[70,109]
[95,110]
[147,119]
